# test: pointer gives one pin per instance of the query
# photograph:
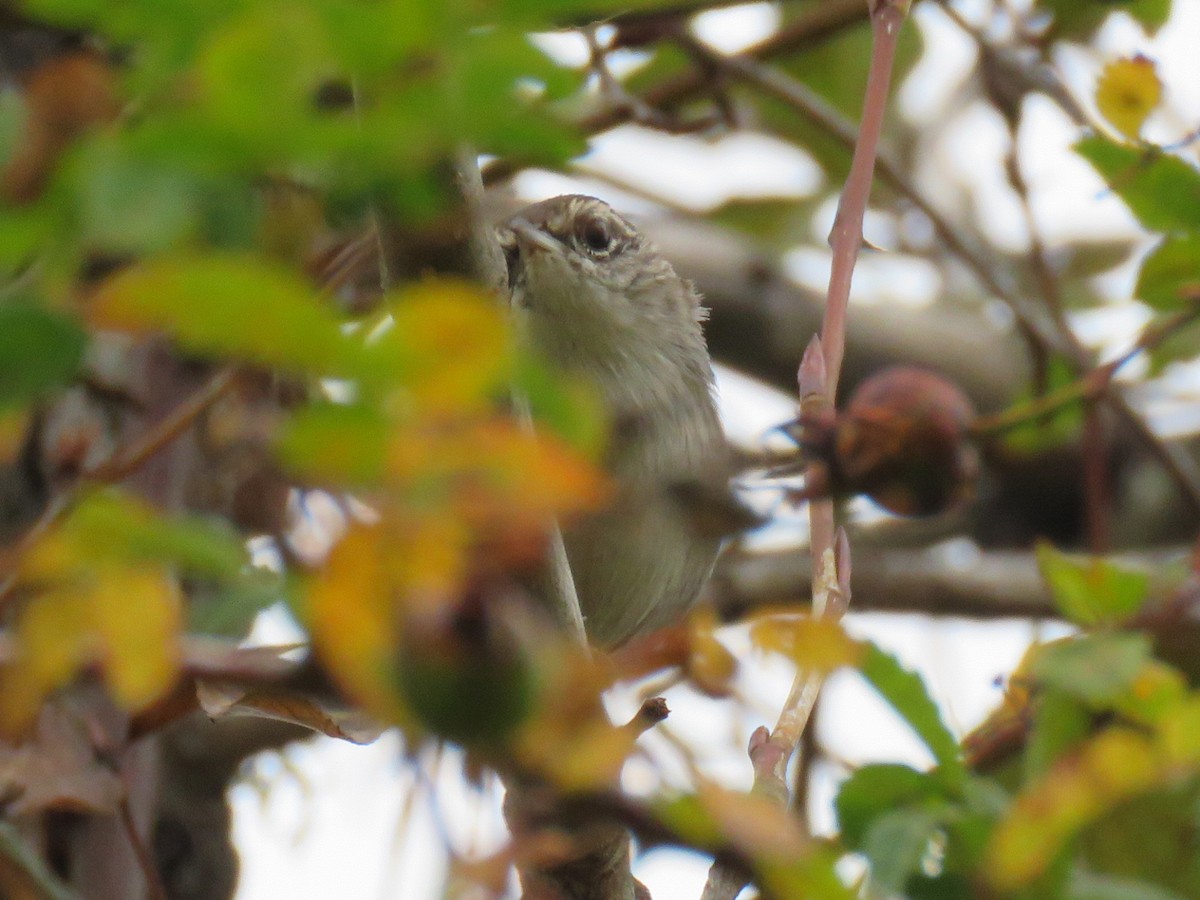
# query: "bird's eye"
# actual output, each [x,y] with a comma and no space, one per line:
[596,236]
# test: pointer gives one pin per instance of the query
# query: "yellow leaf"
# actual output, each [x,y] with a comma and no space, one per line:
[50,648]
[1179,734]
[592,757]
[127,620]
[456,342]
[812,643]
[1127,92]
[353,623]
[710,666]
[1114,766]
[138,615]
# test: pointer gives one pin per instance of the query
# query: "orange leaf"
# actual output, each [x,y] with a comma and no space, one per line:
[353,624]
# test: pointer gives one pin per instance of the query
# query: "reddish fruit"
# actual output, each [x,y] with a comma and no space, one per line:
[903,441]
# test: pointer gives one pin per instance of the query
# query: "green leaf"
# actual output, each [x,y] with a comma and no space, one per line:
[335,442]
[1061,722]
[130,207]
[896,844]
[1078,19]
[570,409]
[39,350]
[907,694]
[132,531]
[813,876]
[1084,885]
[1053,430]
[487,103]
[228,608]
[1180,346]
[260,62]
[1170,275]
[12,122]
[1161,190]
[1091,590]
[230,305]
[1096,668]
[871,791]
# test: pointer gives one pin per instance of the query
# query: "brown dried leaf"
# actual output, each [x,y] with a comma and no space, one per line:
[57,769]
[225,698]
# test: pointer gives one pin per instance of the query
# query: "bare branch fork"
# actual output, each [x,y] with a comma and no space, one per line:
[770,752]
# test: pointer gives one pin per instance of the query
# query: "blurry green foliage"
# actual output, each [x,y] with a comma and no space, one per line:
[1057,427]
[1092,591]
[39,350]
[1076,20]
[1162,191]
[1170,276]
[907,694]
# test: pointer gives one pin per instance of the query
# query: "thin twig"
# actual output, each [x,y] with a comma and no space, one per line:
[1177,463]
[129,459]
[1031,318]
[639,111]
[1094,450]
[154,885]
[122,463]
[770,752]
[812,28]
[1093,384]
[31,865]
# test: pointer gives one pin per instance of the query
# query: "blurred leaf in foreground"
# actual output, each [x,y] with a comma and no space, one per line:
[1092,591]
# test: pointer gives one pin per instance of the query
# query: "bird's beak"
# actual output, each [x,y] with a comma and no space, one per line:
[530,238]
[523,242]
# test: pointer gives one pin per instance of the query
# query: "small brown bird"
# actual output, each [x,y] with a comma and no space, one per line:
[595,298]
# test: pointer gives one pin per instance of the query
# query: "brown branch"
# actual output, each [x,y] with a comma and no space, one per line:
[997,584]
[1093,384]
[154,885]
[127,460]
[123,462]
[1039,77]
[815,26]
[1033,320]
[652,711]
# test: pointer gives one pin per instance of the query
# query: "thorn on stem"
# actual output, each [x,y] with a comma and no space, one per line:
[842,552]
[813,378]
